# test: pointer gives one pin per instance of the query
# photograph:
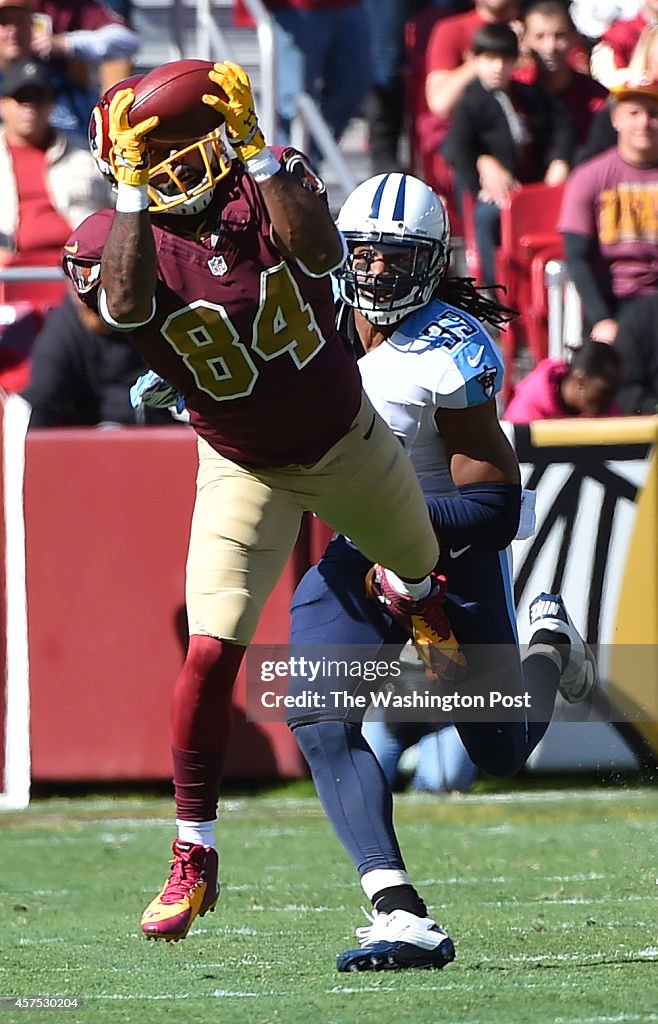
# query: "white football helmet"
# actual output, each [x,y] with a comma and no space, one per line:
[399,210]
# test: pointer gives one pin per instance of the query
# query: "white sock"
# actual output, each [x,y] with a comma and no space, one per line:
[201,833]
[406,589]
[383,878]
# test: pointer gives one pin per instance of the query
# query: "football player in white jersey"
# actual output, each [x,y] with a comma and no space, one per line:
[432,371]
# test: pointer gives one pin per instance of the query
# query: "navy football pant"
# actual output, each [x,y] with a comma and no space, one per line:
[330,608]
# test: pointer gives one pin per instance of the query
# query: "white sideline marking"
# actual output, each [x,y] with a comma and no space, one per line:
[543,797]
[348,990]
[310,805]
[219,993]
[505,880]
[538,901]
[648,954]
[619,1018]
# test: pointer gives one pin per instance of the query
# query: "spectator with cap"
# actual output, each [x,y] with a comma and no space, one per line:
[608,218]
[48,181]
[86,30]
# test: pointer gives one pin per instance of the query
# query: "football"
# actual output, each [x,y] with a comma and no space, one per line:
[173,92]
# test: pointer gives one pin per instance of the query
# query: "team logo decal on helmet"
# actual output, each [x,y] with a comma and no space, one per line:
[402,214]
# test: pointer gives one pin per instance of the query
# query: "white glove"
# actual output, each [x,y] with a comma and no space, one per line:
[152,390]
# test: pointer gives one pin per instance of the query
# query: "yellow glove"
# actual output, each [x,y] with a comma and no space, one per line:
[128,155]
[238,110]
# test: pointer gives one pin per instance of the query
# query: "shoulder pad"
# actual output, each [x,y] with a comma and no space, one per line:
[474,373]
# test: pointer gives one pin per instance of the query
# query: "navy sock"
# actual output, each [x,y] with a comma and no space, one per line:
[399,897]
[353,791]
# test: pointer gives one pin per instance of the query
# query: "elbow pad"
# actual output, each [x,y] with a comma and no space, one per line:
[486,515]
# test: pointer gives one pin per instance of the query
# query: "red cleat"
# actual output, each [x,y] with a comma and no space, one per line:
[425,621]
[190,891]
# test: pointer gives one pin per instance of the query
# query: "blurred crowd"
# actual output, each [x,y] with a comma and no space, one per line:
[481,100]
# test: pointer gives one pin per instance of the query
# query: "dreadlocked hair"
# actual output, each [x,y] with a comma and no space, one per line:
[463,293]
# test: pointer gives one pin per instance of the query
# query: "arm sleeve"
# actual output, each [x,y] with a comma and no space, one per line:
[578,250]
[486,515]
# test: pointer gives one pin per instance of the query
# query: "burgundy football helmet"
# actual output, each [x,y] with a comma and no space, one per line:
[178,198]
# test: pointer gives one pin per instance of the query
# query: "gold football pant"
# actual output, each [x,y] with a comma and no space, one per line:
[246,522]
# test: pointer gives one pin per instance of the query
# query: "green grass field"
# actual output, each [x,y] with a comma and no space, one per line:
[550,897]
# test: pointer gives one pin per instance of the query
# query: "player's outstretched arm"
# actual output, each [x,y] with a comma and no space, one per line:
[485,469]
[128,266]
[478,451]
[302,226]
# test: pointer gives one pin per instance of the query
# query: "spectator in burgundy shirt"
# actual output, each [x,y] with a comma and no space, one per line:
[548,40]
[586,386]
[609,218]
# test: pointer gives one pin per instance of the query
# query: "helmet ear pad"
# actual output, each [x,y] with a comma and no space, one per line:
[399,210]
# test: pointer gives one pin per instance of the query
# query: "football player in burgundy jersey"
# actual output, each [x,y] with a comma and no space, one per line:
[432,371]
[220,268]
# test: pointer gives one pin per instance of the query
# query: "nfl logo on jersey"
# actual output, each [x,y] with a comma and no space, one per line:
[217,265]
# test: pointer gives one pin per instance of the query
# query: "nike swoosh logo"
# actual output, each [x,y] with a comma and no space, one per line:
[72,248]
[474,360]
[458,552]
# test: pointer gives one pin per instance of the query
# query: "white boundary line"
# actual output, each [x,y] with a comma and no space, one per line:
[16,793]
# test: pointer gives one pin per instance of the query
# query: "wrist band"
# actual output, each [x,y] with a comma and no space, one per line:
[131,198]
[263,166]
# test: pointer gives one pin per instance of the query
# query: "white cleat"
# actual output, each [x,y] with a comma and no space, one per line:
[551,623]
[397,941]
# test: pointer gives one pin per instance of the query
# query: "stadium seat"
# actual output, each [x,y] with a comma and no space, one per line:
[529,239]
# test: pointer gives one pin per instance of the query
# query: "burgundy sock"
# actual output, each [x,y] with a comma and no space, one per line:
[201,719]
